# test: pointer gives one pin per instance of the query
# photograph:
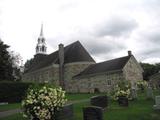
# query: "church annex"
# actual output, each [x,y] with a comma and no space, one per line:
[73,68]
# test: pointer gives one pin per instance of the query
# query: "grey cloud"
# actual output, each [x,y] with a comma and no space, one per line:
[149,40]
[103,50]
[116,27]
[153,37]
[149,52]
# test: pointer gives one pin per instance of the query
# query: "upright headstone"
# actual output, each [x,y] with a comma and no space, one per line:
[99,101]
[149,93]
[157,103]
[92,113]
[123,101]
[65,113]
[133,93]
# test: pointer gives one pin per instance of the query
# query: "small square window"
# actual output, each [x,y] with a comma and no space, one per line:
[108,82]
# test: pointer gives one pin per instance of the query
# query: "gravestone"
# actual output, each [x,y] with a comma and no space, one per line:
[157,103]
[65,113]
[123,101]
[99,101]
[149,93]
[92,113]
[133,93]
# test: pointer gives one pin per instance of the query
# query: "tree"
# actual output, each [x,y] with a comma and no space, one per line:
[16,64]
[149,69]
[6,68]
[28,64]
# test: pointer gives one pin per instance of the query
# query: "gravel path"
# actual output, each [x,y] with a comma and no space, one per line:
[9,112]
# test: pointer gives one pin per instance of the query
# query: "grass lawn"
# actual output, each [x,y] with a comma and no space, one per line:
[79,96]
[9,106]
[140,109]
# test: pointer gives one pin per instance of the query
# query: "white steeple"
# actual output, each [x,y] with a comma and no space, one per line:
[41,45]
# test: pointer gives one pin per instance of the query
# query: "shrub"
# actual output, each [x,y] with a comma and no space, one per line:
[41,102]
[12,91]
[141,84]
[122,90]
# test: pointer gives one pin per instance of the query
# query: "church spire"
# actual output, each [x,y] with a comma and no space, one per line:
[41,45]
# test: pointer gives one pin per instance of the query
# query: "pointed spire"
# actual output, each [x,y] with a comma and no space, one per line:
[41,34]
[41,45]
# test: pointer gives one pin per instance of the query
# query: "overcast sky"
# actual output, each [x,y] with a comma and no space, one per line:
[106,28]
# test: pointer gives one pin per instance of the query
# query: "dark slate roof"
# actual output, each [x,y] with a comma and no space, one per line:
[74,52]
[107,66]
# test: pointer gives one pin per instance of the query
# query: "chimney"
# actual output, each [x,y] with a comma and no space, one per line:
[61,66]
[61,54]
[129,53]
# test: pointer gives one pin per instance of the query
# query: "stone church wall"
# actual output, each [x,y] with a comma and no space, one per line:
[48,74]
[133,71]
[72,69]
[96,83]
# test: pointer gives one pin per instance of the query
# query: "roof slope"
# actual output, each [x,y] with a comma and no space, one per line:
[111,65]
[74,52]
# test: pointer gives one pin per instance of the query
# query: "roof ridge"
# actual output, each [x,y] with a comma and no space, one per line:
[114,59]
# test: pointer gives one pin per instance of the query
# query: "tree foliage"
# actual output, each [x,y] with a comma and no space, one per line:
[6,68]
[150,69]
[9,67]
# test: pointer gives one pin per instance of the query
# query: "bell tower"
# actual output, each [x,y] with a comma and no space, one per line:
[41,45]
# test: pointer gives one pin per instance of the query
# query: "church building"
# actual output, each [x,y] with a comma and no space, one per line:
[73,68]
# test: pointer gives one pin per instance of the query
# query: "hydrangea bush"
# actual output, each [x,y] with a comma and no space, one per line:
[142,84]
[41,102]
[122,89]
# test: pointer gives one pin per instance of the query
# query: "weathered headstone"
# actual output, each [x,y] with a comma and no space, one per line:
[65,113]
[123,101]
[92,113]
[149,93]
[133,93]
[99,101]
[157,103]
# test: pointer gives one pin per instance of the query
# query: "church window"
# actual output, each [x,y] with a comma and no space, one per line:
[108,82]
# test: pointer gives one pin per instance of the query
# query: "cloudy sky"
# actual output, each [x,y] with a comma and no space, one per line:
[106,28]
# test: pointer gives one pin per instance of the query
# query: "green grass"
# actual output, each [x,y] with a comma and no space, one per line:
[140,109]
[9,106]
[81,96]
[137,110]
